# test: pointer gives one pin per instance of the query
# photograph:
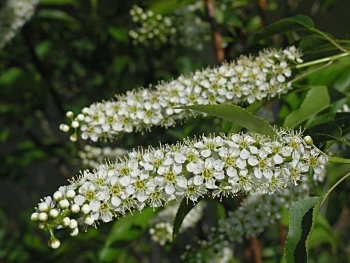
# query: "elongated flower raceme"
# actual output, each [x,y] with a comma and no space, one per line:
[153,29]
[183,27]
[13,15]
[161,230]
[213,166]
[246,80]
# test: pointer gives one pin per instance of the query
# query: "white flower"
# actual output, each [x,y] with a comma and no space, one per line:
[161,230]
[240,163]
[13,15]
[246,80]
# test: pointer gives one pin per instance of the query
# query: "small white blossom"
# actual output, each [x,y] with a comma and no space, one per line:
[161,229]
[246,80]
[239,163]
[13,15]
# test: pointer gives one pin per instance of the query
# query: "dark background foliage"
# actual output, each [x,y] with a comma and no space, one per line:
[73,53]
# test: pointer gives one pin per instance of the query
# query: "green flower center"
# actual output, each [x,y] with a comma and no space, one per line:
[140,184]
[90,194]
[124,171]
[99,181]
[191,157]
[115,190]
[230,161]
[312,161]
[170,177]
[104,207]
[207,173]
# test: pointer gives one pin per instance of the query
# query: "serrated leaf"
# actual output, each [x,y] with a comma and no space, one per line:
[237,115]
[300,224]
[317,99]
[184,208]
[284,25]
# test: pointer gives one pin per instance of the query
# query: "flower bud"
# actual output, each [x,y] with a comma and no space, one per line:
[75,208]
[64,127]
[53,213]
[66,221]
[89,220]
[70,193]
[75,232]
[73,224]
[43,207]
[86,209]
[75,124]
[35,216]
[80,117]
[63,203]
[308,140]
[57,196]
[69,114]
[43,216]
[73,137]
[54,243]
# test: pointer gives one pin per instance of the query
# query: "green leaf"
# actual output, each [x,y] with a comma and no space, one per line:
[58,15]
[119,34]
[317,99]
[184,208]
[236,115]
[302,220]
[58,2]
[126,229]
[330,127]
[300,224]
[165,7]
[284,25]
[322,233]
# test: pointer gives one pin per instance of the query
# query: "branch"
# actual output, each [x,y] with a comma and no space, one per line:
[282,235]
[257,250]
[216,35]
[262,8]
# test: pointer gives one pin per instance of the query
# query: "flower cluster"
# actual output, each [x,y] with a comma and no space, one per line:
[191,27]
[92,156]
[219,252]
[154,29]
[216,166]
[13,15]
[255,214]
[161,230]
[246,80]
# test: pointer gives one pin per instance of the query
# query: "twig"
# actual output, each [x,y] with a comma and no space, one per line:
[282,235]
[262,7]
[257,250]
[216,35]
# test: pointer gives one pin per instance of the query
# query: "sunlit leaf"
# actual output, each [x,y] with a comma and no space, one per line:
[236,115]
[316,100]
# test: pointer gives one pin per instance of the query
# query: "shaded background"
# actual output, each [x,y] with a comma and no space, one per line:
[71,54]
